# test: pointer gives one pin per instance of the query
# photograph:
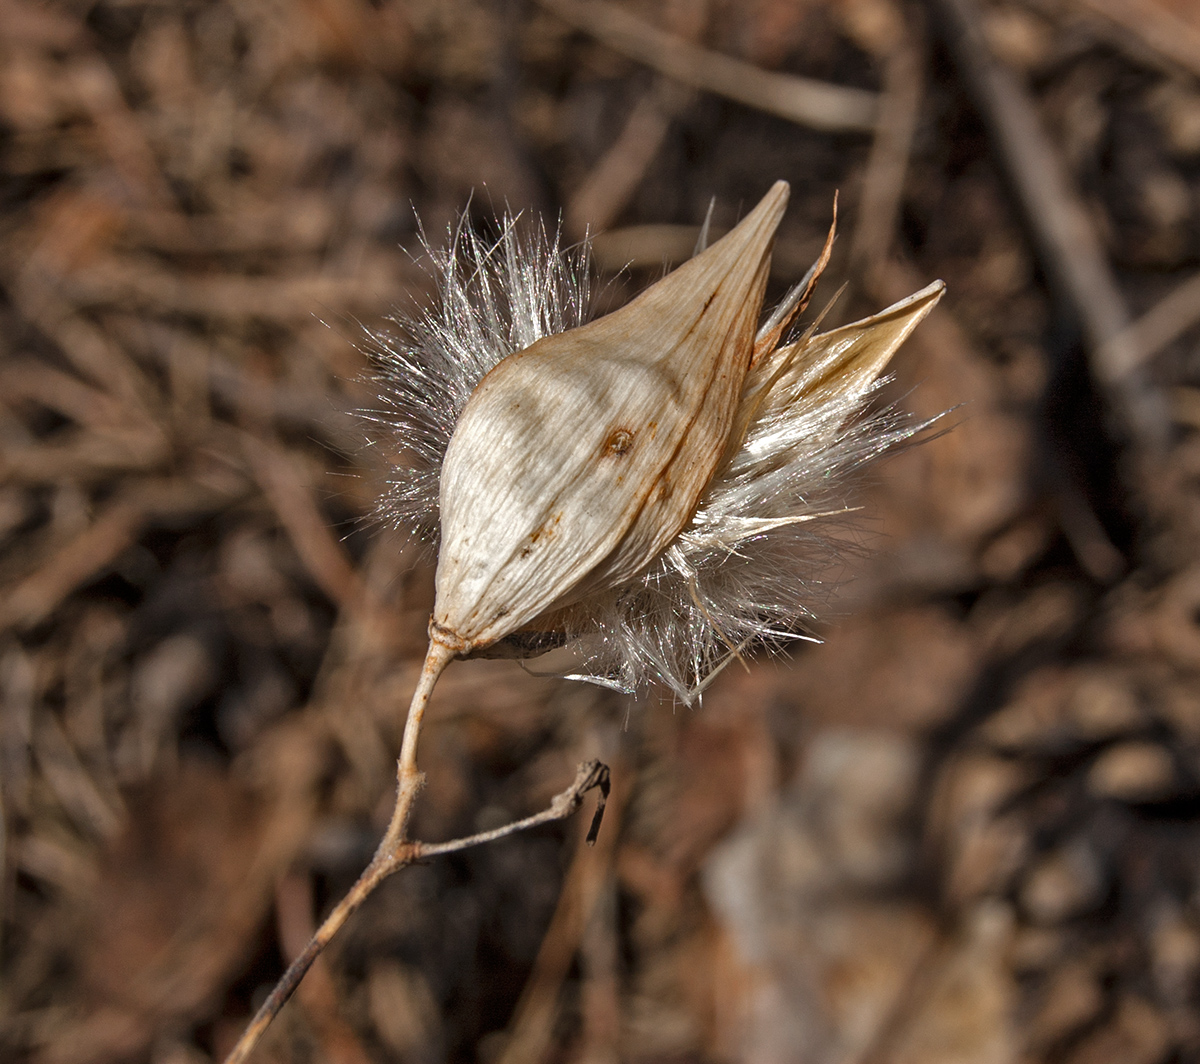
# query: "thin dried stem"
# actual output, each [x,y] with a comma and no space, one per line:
[395,851]
[392,854]
[410,779]
[375,873]
[589,774]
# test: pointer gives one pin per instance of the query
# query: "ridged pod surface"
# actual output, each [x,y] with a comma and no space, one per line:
[577,460]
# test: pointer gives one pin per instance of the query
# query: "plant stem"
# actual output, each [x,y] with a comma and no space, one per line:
[393,853]
[395,850]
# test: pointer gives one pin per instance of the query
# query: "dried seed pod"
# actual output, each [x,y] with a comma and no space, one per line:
[577,460]
[650,486]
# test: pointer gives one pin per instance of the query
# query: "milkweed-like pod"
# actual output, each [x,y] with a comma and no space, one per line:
[577,460]
[654,487]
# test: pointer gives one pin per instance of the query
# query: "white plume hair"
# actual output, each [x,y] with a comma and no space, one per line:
[756,558]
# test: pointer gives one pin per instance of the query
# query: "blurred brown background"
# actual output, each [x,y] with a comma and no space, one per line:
[963,829]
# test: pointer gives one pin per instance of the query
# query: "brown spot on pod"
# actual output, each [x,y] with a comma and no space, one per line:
[620,442]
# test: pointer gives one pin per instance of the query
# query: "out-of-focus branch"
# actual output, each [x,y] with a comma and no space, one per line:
[1070,250]
[883,183]
[1154,27]
[805,101]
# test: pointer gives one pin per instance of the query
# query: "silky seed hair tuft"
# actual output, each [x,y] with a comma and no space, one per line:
[751,557]
[494,297]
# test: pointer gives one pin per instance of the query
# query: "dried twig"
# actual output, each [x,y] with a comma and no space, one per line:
[290,494]
[119,130]
[1167,320]
[615,178]
[1070,248]
[1154,26]
[600,990]
[123,284]
[87,457]
[883,184]
[89,553]
[317,994]
[805,101]
[530,1030]
[396,851]
[39,593]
